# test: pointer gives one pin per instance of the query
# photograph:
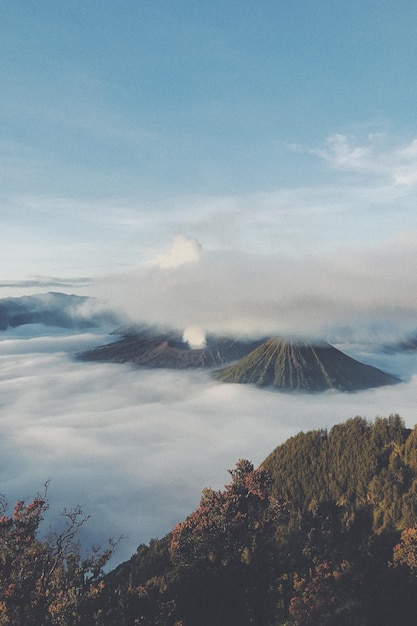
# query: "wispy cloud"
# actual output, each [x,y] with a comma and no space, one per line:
[341,154]
[397,163]
[46,282]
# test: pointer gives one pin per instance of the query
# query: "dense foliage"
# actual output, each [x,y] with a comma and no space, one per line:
[47,582]
[356,464]
[323,533]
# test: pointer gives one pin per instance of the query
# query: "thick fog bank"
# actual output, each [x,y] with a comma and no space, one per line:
[134,447]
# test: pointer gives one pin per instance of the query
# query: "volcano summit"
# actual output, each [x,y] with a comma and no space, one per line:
[298,365]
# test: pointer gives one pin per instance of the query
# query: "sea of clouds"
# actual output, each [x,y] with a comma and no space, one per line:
[134,446]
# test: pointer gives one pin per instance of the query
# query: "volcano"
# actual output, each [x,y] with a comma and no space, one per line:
[168,350]
[303,366]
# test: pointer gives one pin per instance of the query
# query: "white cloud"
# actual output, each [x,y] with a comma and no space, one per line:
[184,250]
[45,282]
[341,154]
[395,163]
[368,289]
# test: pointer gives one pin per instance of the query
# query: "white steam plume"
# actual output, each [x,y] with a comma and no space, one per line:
[195,336]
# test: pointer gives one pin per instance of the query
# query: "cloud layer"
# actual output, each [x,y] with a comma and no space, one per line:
[369,290]
[134,447]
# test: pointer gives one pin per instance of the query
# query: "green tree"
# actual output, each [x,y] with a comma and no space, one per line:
[46,582]
[225,550]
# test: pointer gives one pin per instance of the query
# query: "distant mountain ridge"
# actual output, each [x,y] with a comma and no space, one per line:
[55,309]
[299,365]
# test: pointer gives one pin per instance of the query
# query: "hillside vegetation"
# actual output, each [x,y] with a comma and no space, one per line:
[323,533]
[356,464]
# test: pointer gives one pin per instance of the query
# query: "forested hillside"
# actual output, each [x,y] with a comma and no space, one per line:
[323,533]
[356,464]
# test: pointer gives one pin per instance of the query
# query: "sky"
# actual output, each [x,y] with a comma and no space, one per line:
[230,164]
[231,167]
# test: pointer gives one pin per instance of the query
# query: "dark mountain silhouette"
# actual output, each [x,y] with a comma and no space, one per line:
[55,309]
[151,348]
[300,365]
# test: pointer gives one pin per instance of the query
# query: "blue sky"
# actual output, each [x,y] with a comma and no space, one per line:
[131,98]
[260,135]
